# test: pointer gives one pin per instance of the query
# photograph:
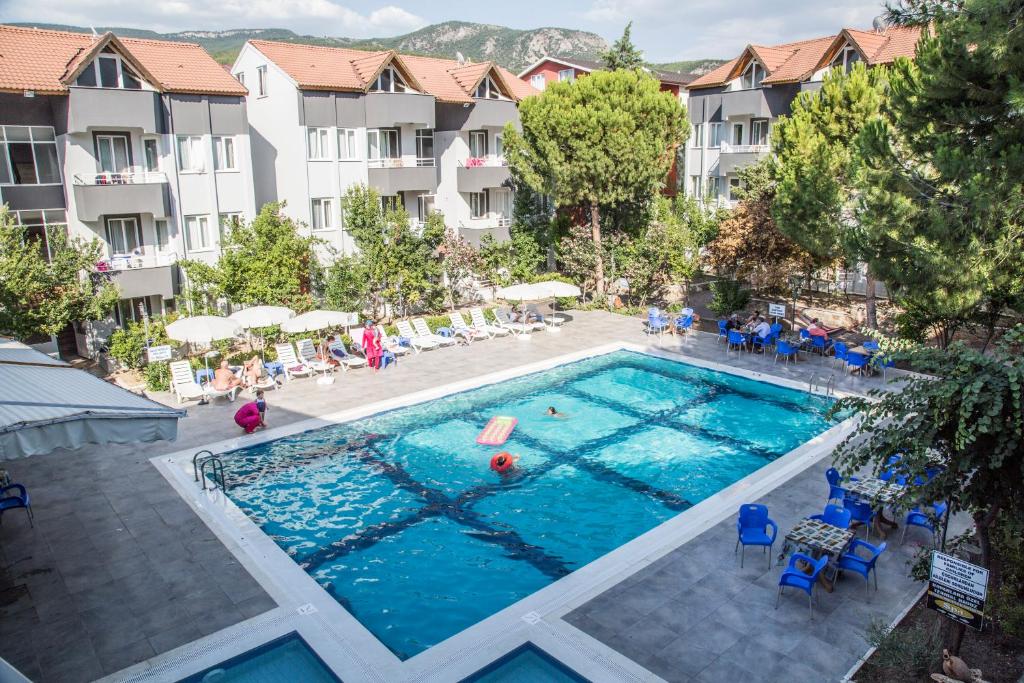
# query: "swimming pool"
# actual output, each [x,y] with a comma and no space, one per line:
[284,660]
[400,519]
[526,664]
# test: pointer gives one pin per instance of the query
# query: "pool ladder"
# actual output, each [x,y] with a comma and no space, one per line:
[201,464]
[829,386]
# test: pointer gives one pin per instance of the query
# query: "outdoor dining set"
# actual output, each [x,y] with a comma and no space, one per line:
[823,546]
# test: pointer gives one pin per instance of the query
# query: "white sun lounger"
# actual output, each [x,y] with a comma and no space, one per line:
[423,331]
[307,354]
[183,382]
[480,323]
[516,328]
[340,353]
[461,328]
[293,367]
[418,343]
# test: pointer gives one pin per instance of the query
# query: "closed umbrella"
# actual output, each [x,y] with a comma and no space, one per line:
[203,329]
[261,316]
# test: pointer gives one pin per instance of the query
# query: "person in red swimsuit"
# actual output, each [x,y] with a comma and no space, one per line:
[371,345]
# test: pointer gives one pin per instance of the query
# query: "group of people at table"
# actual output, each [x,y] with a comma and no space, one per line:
[827,541]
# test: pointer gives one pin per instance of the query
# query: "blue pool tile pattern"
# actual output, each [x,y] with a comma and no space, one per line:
[284,660]
[526,664]
[400,519]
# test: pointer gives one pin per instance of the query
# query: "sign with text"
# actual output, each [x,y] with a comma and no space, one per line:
[156,354]
[957,589]
[777,310]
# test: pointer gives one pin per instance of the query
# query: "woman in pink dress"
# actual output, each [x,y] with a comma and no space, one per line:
[371,345]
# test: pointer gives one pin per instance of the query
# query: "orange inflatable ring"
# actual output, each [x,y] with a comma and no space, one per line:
[502,462]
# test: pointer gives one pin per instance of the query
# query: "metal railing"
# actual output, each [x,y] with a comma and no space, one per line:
[401,162]
[119,262]
[491,160]
[727,148]
[128,178]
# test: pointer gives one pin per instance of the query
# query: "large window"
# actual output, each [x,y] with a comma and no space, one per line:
[695,186]
[113,153]
[42,226]
[737,133]
[714,187]
[752,75]
[190,154]
[502,204]
[383,143]
[347,144]
[151,154]
[734,187]
[109,70]
[261,80]
[846,58]
[698,136]
[124,236]
[197,233]
[538,81]
[478,143]
[759,132]
[163,235]
[132,310]
[224,154]
[322,214]
[566,75]
[425,147]
[389,80]
[714,134]
[28,156]
[226,222]
[318,144]
[424,207]
[477,204]
[487,90]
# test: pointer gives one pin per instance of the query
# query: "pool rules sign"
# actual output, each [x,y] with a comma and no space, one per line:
[957,589]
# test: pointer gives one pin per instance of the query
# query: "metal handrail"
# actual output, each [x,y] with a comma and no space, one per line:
[727,148]
[216,468]
[195,463]
[129,178]
[401,162]
[486,161]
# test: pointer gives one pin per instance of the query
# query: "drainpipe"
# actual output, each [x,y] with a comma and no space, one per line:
[176,204]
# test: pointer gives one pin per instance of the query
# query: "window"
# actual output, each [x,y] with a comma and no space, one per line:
[240,77]
[389,80]
[163,239]
[714,134]
[737,133]
[224,154]
[698,136]
[477,143]
[197,233]
[109,70]
[389,202]
[190,154]
[425,147]
[695,186]
[487,90]
[759,132]
[424,207]
[502,204]
[132,310]
[567,75]
[318,146]
[714,187]
[734,185]
[846,58]
[226,222]
[477,204]
[113,154]
[538,81]
[151,154]
[261,80]
[28,156]
[42,227]
[499,146]
[347,144]
[382,143]
[124,237]
[322,214]
[752,76]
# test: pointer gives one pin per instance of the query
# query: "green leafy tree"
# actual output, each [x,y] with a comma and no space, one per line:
[578,255]
[345,285]
[204,287]
[40,296]
[623,54]
[128,344]
[459,262]
[728,296]
[516,259]
[603,140]
[815,193]
[534,219]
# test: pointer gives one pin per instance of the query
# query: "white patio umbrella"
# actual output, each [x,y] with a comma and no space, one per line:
[203,329]
[546,289]
[315,320]
[261,316]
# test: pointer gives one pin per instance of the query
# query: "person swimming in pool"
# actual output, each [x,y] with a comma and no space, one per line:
[553,412]
[504,462]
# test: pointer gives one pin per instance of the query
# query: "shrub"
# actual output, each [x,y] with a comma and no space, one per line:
[728,296]
[128,344]
[157,376]
[902,653]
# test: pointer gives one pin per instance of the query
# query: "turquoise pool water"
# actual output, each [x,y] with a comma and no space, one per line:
[526,664]
[400,519]
[285,660]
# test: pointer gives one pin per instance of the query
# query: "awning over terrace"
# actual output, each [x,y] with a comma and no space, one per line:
[46,404]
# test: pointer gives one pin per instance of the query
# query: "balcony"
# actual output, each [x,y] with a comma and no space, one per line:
[758,103]
[387,110]
[734,157]
[99,194]
[476,174]
[106,108]
[391,176]
[490,114]
[142,275]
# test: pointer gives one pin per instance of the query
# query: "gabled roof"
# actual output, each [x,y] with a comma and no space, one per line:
[875,47]
[671,77]
[43,60]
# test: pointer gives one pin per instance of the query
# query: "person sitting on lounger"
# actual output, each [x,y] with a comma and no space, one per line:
[252,371]
[327,355]
[224,379]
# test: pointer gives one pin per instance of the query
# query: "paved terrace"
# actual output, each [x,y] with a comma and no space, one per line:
[118,568]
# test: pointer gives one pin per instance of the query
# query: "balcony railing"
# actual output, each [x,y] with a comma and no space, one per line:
[119,262]
[503,222]
[400,162]
[490,160]
[147,178]
[744,149]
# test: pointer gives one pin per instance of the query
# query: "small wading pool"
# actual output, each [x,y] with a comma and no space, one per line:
[526,664]
[400,519]
[284,660]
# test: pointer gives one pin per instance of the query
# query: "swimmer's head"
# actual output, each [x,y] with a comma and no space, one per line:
[552,411]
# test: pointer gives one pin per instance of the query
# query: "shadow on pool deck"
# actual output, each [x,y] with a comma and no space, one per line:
[119,569]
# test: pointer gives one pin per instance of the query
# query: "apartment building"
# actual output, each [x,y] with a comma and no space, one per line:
[734,107]
[548,69]
[426,133]
[140,144]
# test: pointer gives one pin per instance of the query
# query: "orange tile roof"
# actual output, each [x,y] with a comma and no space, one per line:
[800,63]
[715,77]
[875,47]
[41,60]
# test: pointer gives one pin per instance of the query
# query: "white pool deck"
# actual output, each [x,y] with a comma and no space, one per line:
[639,613]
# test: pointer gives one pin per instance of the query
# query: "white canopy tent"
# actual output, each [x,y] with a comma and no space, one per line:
[46,404]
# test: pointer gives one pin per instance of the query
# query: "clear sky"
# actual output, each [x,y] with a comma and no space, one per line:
[667,30]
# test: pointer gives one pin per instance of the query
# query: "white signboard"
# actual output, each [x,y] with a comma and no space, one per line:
[155,354]
[957,589]
[777,310]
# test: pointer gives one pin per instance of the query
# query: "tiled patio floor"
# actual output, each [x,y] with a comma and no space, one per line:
[119,569]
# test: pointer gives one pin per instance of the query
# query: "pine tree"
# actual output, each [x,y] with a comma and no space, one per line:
[623,54]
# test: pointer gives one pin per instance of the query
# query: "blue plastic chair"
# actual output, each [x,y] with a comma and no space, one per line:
[891,468]
[835,480]
[736,339]
[723,330]
[839,349]
[752,528]
[856,360]
[794,577]
[835,515]
[757,341]
[776,329]
[883,361]
[684,324]
[805,336]
[786,350]
[820,345]
[919,518]
[870,345]
[850,561]
[860,511]
[13,501]
[656,323]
